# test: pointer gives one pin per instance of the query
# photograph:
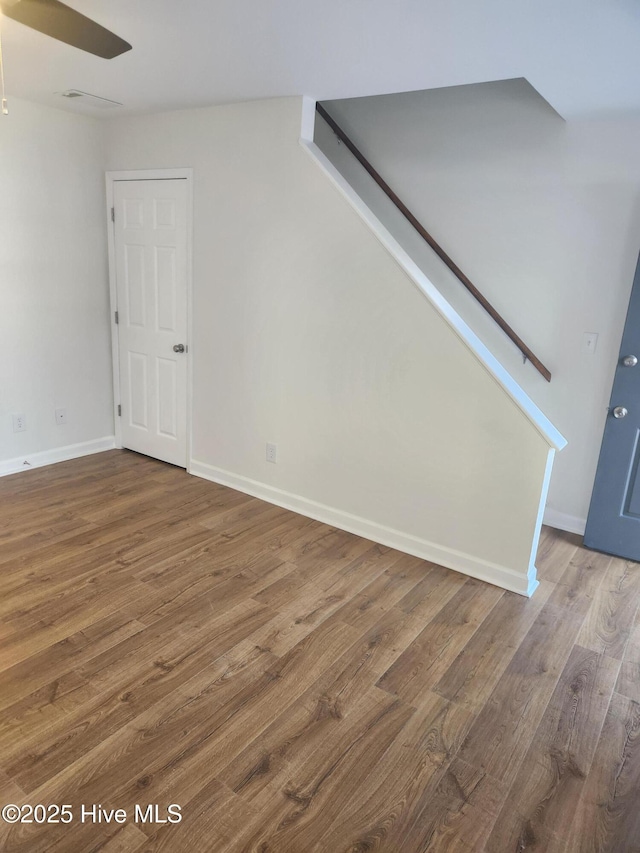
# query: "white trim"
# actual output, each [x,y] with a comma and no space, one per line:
[58,454]
[501,576]
[150,175]
[563,521]
[544,426]
[533,572]
[113,302]
[308,119]
[185,174]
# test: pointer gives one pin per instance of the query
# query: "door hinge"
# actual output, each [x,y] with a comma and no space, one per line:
[113,214]
[117,318]
[119,410]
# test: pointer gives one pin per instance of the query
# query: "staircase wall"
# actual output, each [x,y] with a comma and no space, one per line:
[544,217]
[308,334]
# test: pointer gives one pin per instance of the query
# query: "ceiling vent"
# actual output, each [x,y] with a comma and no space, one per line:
[90,100]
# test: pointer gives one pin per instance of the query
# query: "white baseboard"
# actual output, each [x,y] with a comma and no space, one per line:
[562,521]
[501,576]
[58,454]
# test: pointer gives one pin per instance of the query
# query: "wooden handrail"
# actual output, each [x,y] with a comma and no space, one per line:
[455,269]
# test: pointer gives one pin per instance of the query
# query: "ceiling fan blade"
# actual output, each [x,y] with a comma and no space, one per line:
[59,21]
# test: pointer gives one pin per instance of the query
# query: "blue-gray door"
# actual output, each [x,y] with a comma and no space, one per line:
[613,525]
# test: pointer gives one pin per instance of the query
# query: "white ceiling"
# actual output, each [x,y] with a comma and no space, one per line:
[583,56]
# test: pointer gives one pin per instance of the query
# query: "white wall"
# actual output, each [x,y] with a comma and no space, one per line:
[308,334]
[54,322]
[544,217]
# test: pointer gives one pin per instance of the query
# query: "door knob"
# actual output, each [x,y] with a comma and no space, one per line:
[620,412]
[178,347]
[630,360]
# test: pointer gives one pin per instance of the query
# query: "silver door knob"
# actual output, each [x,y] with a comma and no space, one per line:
[630,361]
[620,412]
[178,347]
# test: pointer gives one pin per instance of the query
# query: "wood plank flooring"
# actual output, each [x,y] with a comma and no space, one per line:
[297,689]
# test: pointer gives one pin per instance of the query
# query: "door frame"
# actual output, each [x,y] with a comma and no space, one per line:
[111,178]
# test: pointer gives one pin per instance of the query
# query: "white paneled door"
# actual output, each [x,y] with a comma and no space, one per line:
[150,238]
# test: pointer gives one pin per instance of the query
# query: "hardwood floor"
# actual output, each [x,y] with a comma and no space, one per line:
[296,689]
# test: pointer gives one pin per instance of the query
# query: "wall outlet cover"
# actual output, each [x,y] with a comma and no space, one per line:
[590,342]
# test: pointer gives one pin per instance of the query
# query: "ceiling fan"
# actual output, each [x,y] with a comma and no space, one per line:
[61,22]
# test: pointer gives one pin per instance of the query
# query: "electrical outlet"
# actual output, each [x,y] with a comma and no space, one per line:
[271,452]
[61,416]
[589,342]
[19,423]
